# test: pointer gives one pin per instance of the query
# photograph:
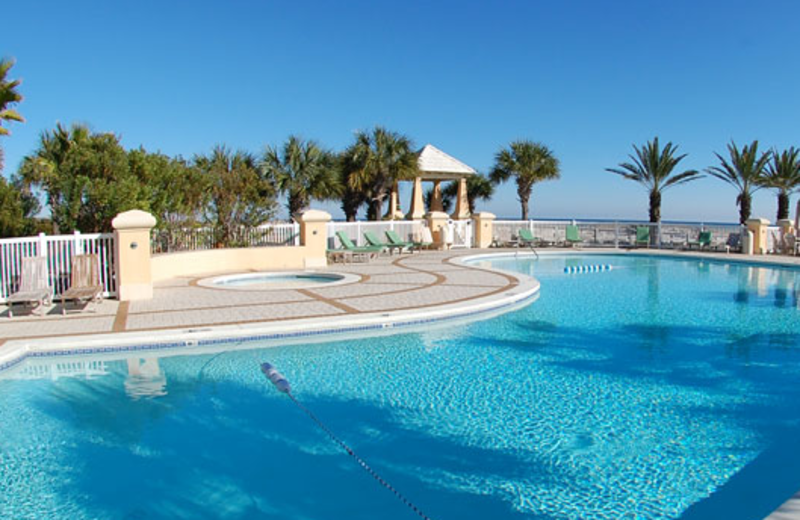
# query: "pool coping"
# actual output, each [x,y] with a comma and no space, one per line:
[14,352]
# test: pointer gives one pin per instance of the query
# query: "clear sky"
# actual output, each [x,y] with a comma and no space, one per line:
[587,78]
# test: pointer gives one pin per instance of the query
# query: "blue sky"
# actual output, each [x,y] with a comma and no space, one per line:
[588,79]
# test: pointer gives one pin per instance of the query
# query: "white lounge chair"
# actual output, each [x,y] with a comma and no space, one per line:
[33,285]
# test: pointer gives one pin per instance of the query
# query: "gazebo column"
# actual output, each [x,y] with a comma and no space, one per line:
[462,204]
[436,199]
[417,203]
[394,213]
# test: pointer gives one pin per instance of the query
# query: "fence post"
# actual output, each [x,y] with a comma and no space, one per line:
[43,246]
[77,244]
[616,234]
[658,230]
[314,237]
[132,254]
[358,233]
[482,230]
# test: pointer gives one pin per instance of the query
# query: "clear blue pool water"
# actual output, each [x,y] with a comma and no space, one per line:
[635,393]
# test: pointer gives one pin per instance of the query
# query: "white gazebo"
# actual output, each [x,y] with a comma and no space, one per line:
[436,166]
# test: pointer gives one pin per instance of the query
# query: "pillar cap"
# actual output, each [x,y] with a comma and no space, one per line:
[758,221]
[484,215]
[437,214]
[786,222]
[314,215]
[134,219]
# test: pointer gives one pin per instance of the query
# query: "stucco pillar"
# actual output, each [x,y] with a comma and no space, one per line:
[314,237]
[483,229]
[394,212]
[759,228]
[436,199]
[462,204]
[437,222]
[417,210]
[787,226]
[132,255]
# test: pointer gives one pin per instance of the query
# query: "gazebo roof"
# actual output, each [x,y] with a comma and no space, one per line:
[434,164]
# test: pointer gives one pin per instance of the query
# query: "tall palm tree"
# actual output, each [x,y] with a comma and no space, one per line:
[301,170]
[530,163]
[478,187]
[375,162]
[744,172]
[47,169]
[8,96]
[653,167]
[783,175]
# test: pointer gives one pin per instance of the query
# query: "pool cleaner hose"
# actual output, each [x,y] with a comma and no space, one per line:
[282,384]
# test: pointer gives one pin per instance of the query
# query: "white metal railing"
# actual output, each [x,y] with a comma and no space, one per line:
[198,239]
[59,250]
[618,233]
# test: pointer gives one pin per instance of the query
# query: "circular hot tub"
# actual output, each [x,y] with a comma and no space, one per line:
[275,280]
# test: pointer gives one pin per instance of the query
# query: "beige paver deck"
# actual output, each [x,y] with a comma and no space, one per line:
[385,284]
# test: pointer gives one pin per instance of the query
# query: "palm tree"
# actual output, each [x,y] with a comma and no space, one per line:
[375,162]
[478,187]
[47,169]
[8,96]
[783,175]
[239,196]
[744,172]
[653,167]
[301,170]
[530,163]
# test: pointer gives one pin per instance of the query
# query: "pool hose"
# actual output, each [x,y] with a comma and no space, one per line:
[282,384]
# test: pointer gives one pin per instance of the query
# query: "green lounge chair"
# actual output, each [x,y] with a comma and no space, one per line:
[703,240]
[526,238]
[395,241]
[573,235]
[350,246]
[374,241]
[643,236]
[349,250]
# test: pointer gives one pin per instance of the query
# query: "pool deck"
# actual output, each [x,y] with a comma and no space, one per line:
[419,286]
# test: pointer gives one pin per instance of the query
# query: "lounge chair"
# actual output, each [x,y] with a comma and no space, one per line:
[703,240]
[395,241]
[526,238]
[643,236]
[84,282]
[573,235]
[33,285]
[374,241]
[348,246]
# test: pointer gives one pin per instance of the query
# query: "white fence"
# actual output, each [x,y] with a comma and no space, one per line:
[59,250]
[198,239]
[619,234]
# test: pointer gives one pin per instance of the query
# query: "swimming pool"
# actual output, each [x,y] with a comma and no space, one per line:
[630,393]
